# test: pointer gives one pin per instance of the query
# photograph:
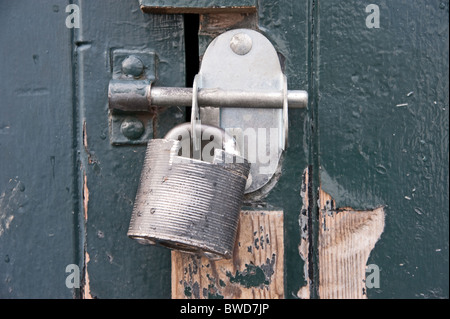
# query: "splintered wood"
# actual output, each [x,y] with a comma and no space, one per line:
[255,271]
[346,238]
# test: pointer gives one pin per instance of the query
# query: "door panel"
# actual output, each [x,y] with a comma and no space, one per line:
[116,266]
[66,193]
[37,175]
[382,105]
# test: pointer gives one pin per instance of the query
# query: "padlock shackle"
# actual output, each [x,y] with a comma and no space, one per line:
[228,142]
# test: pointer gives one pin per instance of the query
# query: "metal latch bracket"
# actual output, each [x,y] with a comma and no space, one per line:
[240,82]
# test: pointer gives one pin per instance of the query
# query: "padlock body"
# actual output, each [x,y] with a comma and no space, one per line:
[187,204]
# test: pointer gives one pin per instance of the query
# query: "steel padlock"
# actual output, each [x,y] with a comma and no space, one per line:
[190,204]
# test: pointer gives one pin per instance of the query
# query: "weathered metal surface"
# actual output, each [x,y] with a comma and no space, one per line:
[256,68]
[131,115]
[188,204]
[197,6]
[134,129]
[132,73]
[170,96]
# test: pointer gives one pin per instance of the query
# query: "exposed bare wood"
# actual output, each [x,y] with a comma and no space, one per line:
[303,249]
[346,238]
[255,271]
[216,23]
[86,288]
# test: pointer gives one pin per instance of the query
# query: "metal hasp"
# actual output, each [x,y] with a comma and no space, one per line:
[240,87]
[132,73]
[242,65]
[185,201]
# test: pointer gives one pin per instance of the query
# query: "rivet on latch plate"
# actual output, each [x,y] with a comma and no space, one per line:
[132,66]
[132,128]
[241,43]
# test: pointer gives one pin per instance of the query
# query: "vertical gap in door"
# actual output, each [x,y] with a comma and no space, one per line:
[191,28]
[78,222]
[314,177]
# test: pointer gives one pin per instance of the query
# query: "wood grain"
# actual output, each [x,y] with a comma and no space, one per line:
[346,238]
[255,271]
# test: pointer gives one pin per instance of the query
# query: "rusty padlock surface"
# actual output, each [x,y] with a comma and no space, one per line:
[190,204]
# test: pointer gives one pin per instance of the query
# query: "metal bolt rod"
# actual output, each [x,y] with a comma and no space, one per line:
[172,96]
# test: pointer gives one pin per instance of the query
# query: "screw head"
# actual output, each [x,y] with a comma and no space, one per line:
[241,43]
[132,128]
[132,66]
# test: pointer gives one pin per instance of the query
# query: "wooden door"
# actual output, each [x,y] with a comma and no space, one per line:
[360,208]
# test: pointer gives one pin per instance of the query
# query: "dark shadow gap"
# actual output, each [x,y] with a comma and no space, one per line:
[191,28]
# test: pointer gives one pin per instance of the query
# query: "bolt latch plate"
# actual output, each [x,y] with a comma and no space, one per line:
[240,87]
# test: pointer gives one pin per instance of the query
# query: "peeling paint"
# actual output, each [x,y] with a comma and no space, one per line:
[12,201]
[5,221]
[86,286]
[251,276]
[90,155]
[212,292]
[85,197]
[303,248]
[345,240]
[252,273]
[196,290]
[187,291]
[254,276]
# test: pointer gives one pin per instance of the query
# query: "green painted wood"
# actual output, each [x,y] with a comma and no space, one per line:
[38,183]
[120,267]
[382,103]
[66,193]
